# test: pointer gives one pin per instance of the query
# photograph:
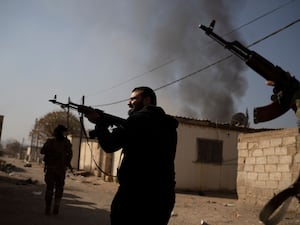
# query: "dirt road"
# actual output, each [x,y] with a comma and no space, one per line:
[87,201]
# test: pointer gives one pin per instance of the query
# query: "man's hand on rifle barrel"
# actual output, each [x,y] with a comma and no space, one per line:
[90,113]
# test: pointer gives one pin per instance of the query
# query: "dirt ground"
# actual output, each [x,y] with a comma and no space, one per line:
[87,201]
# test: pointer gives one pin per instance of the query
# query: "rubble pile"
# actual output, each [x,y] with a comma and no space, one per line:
[6,167]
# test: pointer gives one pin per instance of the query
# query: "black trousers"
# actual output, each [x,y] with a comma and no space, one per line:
[142,206]
[55,181]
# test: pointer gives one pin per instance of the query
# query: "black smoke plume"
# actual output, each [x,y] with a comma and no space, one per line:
[171,26]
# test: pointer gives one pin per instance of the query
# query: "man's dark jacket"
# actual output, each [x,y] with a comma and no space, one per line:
[148,138]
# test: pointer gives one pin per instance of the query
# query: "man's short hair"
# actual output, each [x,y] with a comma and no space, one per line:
[147,92]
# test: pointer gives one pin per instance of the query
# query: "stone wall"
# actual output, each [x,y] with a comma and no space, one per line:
[268,162]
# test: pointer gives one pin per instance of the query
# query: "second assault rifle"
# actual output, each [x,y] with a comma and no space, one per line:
[108,119]
[286,87]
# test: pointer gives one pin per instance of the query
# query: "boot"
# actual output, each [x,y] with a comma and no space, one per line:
[56,206]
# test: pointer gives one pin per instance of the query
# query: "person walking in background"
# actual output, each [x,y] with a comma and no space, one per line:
[148,138]
[58,155]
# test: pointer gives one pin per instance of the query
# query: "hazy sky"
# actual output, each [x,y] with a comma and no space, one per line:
[103,49]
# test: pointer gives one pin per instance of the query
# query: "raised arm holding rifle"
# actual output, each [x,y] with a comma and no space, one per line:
[286,89]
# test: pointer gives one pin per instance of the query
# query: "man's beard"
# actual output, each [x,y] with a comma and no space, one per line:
[134,109]
[130,111]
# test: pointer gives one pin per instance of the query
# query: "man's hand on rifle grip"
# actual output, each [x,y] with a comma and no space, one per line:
[90,113]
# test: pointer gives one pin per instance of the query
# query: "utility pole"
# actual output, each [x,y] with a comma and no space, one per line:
[68,113]
[1,123]
[81,134]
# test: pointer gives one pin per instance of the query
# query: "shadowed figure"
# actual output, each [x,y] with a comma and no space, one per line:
[58,155]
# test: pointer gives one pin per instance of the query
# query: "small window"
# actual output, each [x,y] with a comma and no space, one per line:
[209,151]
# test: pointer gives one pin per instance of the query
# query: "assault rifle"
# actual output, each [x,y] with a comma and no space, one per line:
[108,119]
[286,87]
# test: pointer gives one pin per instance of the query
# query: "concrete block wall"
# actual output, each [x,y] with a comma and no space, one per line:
[268,162]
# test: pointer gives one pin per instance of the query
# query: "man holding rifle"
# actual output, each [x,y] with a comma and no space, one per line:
[148,139]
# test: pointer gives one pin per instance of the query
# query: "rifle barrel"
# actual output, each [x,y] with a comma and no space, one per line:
[114,120]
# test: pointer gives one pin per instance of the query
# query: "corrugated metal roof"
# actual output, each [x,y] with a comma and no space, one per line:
[225,126]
